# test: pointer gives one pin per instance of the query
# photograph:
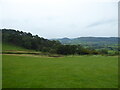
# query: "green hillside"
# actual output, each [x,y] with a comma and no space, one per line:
[11,47]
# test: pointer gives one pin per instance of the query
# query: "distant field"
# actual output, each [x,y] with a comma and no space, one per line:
[62,72]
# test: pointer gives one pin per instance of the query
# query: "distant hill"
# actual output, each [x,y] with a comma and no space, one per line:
[110,43]
[89,40]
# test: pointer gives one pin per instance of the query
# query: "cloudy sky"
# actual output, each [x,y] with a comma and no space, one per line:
[61,18]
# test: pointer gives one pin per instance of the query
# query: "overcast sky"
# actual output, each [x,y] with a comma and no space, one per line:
[61,18]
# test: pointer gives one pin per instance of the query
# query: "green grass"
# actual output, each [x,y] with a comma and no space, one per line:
[6,46]
[63,72]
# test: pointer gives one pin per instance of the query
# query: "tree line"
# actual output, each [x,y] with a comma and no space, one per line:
[34,42]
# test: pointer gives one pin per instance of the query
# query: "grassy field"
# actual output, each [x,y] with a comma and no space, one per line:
[62,72]
[6,46]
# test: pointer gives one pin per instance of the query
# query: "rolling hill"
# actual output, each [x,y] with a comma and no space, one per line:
[89,40]
[109,43]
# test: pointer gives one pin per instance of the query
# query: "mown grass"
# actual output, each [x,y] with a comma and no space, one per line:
[62,72]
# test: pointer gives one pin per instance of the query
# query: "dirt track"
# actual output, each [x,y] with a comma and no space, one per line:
[32,55]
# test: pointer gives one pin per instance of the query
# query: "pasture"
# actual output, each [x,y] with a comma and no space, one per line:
[60,72]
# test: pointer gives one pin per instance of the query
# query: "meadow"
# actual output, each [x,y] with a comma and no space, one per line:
[60,72]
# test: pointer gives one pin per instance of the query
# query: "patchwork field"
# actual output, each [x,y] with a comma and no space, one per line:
[60,72]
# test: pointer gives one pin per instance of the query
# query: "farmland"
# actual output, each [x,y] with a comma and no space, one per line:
[61,72]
